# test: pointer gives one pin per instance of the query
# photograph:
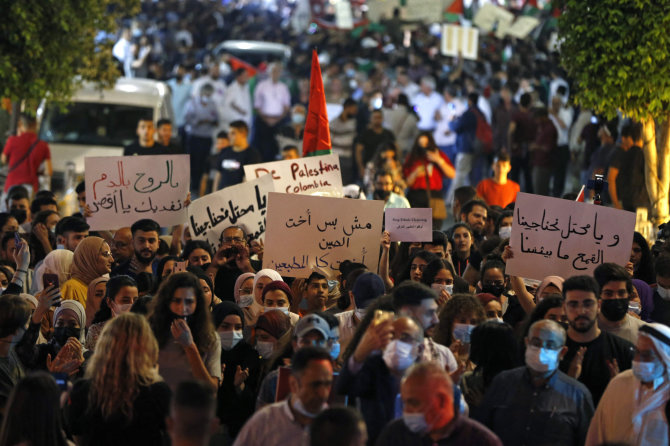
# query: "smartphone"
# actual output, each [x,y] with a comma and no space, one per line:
[61,380]
[49,280]
[17,240]
[179,267]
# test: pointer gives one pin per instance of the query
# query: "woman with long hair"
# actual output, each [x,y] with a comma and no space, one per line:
[120,294]
[92,259]
[122,400]
[182,324]
[41,240]
[33,414]
[642,260]
[425,169]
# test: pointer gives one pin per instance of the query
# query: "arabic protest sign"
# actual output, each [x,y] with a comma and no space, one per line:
[409,225]
[490,16]
[522,26]
[305,232]
[424,10]
[316,175]
[457,39]
[242,205]
[123,189]
[551,236]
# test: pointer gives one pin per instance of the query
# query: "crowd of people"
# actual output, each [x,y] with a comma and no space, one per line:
[145,335]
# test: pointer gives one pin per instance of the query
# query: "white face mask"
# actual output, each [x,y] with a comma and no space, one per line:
[360,313]
[462,332]
[245,300]
[300,408]
[647,371]
[229,339]
[542,360]
[282,309]
[118,309]
[265,349]
[399,355]
[505,232]
[663,292]
[439,287]
[416,422]
[634,307]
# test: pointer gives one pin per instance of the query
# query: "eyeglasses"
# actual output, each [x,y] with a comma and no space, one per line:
[233,240]
[106,254]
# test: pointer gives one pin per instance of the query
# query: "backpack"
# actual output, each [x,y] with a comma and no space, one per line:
[483,135]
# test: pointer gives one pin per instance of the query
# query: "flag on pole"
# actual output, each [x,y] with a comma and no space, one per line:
[454,12]
[316,139]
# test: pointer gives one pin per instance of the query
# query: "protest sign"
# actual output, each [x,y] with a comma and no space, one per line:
[123,189]
[343,16]
[242,205]
[490,16]
[306,232]
[409,225]
[430,11]
[458,39]
[315,175]
[380,9]
[551,236]
[522,26]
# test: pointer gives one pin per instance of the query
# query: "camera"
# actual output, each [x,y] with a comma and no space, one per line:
[597,185]
[662,237]
[230,251]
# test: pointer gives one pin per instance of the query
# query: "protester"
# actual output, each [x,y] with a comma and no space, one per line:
[92,259]
[192,420]
[14,317]
[277,296]
[338,426]
[120,294]
[94,297]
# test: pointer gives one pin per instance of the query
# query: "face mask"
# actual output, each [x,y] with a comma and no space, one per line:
[19,214]
[335,351]
[297,118]
[634,307]
[205,100]
[663,292]
[60,246]
[52,231]
[382,194]
[265,349]
[359,313]
[647,371]
[614,309]
[245,300]
[229,339]
[496,290]
[439,287]
[350,72]
[542,360]
[120,308]
[399,355]
[462,332]
[298,407]
[62,334]
[505,232]
[282,309]
[416,422]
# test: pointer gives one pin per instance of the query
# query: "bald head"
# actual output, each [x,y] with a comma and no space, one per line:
[122,246]
[545,328]
[427,389]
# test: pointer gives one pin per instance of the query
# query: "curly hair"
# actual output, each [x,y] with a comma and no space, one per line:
[433,268]
[200,322]
[124,360]
[458,305]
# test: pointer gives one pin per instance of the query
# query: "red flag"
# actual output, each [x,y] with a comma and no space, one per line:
[316,139]
[236,63]
[456,7]
[580,197]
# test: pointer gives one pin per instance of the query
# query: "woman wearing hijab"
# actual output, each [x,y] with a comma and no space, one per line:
[646,297]
[94,296]
[69,332]
[241,366]
[58,261]
[33,305]
[244,297]
[92,259]
[262,278]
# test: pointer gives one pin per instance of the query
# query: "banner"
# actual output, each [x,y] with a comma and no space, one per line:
[306,232]
[123,189]
[551,236]
[429,11]
[316,175]
[490,17]
[242,205]
[409,225]
[458,39]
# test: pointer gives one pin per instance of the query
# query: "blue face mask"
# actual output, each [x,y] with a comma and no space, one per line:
[416,422]
[335,350]
[462,332]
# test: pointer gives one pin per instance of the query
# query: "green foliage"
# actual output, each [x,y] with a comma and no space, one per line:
[45,45]
[618,53]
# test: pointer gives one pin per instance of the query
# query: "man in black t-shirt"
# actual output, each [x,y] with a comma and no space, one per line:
[593,356]
[368,141]
[660,312]
[145,144]
[625,177]
[230,161]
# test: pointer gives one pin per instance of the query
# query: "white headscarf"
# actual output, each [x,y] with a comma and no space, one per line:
[272,274]
[58,262]
[79,311]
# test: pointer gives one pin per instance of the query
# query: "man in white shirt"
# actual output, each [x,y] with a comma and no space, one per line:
[272,102]
[237,101]
[451,108]
[180,87]
[561,116]
[121,52]
[286,422]
[427,103]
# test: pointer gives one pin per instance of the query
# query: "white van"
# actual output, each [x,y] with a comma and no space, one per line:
[99,123]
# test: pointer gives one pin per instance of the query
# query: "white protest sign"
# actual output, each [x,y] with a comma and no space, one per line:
[409,225]
[343,16]
[430,11]
[490,16]
[380,9]
[311,175]
[551,236]
[242,205]
[457,39]
[123,189]
[522,26]
[306,232]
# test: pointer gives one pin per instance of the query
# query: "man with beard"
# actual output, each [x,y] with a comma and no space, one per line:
[231,260]
[384,191]
[145,244]
[474,213]
[594,356]
[122,246]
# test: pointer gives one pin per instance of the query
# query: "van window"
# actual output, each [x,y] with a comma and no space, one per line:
[90,123]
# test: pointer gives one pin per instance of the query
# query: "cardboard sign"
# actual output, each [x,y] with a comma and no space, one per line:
[314,175]
[343,16]
[551,236]
[522,26]
[242,205]
[490,16]
[123,189]
[457,39]
[306,232]
[409,225]
[429,11]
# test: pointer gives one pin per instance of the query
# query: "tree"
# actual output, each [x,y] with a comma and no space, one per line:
[49,46]
[618,54]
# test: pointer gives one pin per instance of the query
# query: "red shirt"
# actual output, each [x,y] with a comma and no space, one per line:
[498,194]
[435,175]
[26,172]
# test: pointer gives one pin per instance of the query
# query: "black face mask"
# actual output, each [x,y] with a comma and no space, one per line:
[614,309]
[382,194]
[19,214]
[496,290]
[62,334]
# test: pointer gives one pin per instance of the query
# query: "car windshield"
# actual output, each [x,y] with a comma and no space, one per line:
[90,123]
